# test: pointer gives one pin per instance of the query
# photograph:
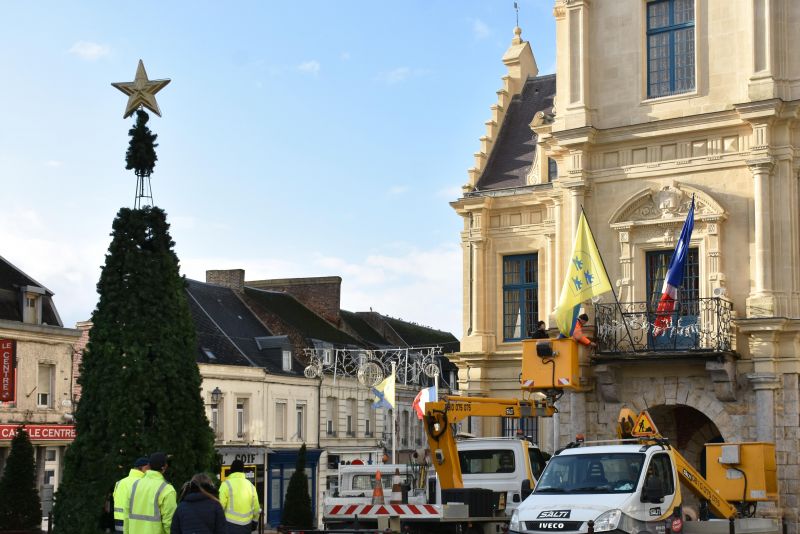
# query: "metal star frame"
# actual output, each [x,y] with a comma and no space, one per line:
[141,92]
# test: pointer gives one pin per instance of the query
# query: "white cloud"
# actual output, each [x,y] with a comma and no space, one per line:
[68,267]
[310,67]
[400,74]
[90,51]
[398,189]
[480,30]
[54,163]
[423,286]
[400,280]
[395,75]
[450,193]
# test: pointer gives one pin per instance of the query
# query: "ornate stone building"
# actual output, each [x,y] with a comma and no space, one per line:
[653,102]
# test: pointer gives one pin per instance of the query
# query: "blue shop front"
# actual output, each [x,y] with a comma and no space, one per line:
[280,468]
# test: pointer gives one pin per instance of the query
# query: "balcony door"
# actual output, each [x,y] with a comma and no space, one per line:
[684,334]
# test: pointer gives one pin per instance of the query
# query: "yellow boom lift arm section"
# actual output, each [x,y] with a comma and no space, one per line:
[631,426]
[440,418]
[701,488]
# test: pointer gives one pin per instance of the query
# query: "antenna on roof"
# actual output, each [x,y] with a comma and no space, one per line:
[516,8]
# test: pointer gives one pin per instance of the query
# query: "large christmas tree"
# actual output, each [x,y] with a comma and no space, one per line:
[20,507]
[140,383]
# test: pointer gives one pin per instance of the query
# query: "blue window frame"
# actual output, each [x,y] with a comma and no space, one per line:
[687,310]
[552,169]
[670,47]
[520,296]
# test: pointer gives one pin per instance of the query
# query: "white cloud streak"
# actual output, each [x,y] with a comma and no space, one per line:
[309,67]
[480,30]
[400,74]
[90,51]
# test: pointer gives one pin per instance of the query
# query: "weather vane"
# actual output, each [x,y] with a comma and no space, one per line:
[516,8]
[141,155]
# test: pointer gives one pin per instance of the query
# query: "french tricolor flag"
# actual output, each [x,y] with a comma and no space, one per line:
[674,278]
[424,396]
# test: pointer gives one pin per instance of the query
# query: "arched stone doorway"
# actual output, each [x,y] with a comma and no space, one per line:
[688,430]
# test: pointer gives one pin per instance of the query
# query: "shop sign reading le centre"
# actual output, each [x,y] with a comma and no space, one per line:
[40,432]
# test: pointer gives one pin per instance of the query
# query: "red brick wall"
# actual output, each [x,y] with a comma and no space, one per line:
[232,278]
[322,294]
[77,357]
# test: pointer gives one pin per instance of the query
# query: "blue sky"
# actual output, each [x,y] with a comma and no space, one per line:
[310,138]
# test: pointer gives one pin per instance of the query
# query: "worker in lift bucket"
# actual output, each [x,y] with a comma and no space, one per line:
[577,332]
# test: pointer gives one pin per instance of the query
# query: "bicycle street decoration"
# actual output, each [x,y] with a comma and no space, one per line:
[370,367]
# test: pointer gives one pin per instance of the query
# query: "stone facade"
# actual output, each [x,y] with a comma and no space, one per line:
[633,163]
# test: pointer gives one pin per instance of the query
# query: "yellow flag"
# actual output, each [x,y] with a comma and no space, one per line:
[384,393]
[585,278]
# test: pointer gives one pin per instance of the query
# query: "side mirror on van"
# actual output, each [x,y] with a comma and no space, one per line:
[526,489]
[652,491]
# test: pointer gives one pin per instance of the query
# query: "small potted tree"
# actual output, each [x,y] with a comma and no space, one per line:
[20,507]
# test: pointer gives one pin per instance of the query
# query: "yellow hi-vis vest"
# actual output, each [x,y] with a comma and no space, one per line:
[239,499]
[152,505]
[122,494]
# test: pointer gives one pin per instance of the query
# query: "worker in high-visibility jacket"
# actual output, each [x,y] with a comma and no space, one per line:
[239,499]
[152,500]
[122,492]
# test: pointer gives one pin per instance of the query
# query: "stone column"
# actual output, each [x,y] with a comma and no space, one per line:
[549,276]
[479,288]
[575,204]
[559,252]
[764,384]
[761,301]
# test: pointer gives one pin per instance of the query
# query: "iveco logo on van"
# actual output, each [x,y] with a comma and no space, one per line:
[542,525]
[554,514]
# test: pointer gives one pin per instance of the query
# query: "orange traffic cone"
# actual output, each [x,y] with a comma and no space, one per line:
[377,492]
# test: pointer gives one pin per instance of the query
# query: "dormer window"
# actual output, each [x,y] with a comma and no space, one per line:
[287,360]
[32,304]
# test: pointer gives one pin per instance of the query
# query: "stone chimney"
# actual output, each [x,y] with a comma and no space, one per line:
[232,278]
[321,294]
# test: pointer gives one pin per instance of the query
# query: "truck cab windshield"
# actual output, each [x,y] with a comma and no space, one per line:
[592,473]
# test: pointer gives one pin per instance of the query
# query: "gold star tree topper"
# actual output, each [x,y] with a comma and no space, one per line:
[141,92]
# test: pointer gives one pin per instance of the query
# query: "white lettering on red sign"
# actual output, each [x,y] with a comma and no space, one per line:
[7,393]
[40,432]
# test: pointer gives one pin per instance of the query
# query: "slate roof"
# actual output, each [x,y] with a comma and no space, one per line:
[11,279]
[363,330]
[295,314]
[512,156]
[227,330]
[417,335]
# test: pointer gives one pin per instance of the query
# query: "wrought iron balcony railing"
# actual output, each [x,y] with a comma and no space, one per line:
[694,325]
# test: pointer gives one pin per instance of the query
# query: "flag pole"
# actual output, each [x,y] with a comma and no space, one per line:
[394,418]
[613,292]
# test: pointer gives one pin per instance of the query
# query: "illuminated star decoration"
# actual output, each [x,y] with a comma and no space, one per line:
[141,92]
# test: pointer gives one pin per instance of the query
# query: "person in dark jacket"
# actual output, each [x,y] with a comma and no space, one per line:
[541,331]
[199,511]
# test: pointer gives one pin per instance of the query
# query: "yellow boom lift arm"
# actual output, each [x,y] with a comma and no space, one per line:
[440,418]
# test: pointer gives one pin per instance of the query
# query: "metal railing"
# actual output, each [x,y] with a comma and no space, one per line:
[702,324]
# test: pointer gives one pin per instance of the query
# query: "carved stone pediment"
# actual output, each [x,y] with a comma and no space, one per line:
[667,205]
